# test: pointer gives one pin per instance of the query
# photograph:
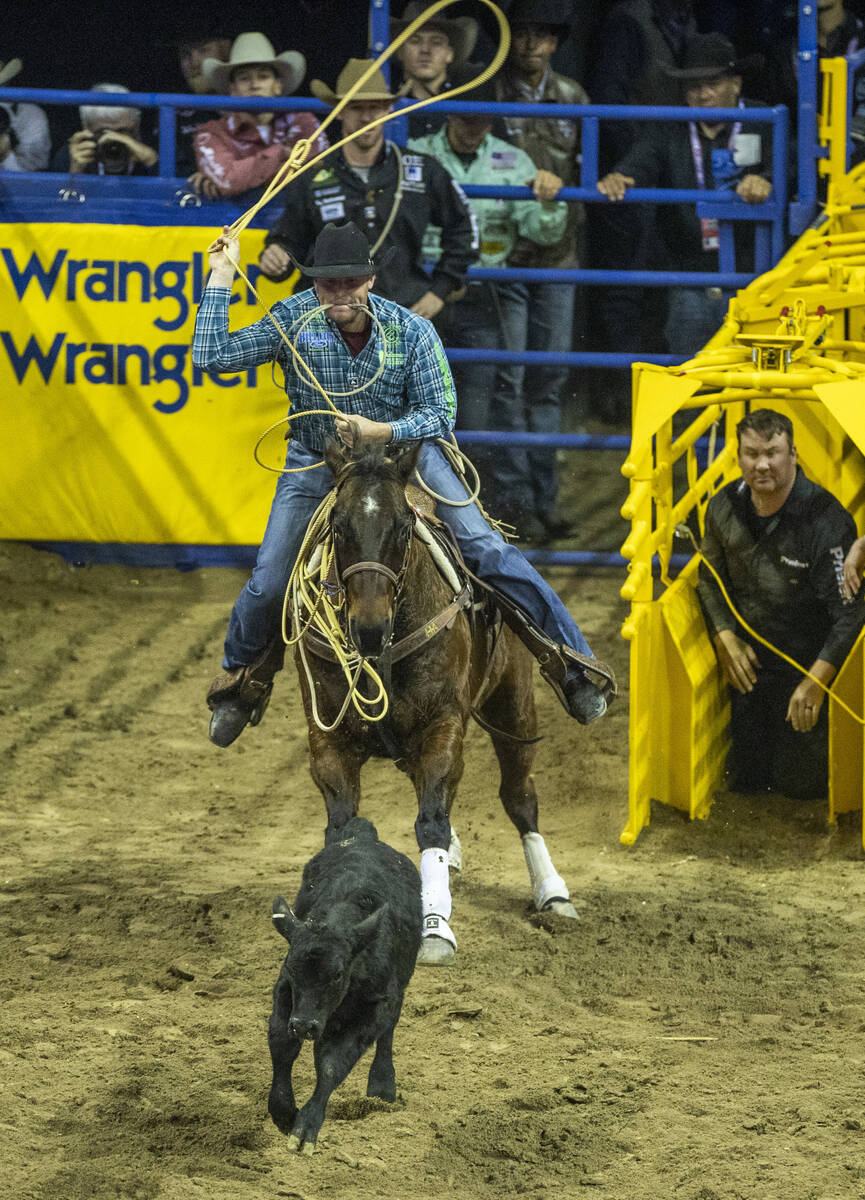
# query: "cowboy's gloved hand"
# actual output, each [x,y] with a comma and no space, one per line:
[354,431]
[224,253]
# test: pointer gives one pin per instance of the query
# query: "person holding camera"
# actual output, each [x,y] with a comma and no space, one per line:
[108,142]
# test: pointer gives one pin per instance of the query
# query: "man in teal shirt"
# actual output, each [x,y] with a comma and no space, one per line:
[466,147]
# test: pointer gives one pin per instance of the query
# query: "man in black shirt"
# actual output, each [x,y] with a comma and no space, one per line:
[778,542]
[390,194]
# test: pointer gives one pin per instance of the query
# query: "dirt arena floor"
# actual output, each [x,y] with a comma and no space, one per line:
[697,1035]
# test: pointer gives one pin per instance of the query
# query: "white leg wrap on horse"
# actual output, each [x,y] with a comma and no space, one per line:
[435,894]
[547,883]
[455,852]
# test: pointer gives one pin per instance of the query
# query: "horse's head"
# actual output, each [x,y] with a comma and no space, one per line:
[372,527]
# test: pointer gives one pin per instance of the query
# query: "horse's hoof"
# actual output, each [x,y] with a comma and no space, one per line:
[562,908]
[435,952]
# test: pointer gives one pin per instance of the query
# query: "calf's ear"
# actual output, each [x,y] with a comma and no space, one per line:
[283,918]
[366,930]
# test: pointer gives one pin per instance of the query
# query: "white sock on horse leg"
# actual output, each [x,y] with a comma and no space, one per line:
[435,894]
[547,883]
[455,852]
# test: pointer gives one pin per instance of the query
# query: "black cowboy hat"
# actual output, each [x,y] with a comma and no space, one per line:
[557,14]
[708,55]
[341,251]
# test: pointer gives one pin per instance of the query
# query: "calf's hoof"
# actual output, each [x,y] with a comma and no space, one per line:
[298,1147]
[435,952]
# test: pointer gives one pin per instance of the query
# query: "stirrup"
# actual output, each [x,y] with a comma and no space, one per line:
[554,668]
[225,686]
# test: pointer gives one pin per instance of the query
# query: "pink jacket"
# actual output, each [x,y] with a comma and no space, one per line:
[238,154]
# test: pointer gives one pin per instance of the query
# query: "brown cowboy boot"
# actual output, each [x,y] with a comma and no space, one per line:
[239,697]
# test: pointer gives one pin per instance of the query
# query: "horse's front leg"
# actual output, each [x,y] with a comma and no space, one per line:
[335,769]
[436,773]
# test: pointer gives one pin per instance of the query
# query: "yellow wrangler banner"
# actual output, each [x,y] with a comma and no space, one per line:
[111,434]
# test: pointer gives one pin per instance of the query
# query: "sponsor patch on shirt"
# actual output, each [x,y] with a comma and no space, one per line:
[316,339]
[503,160]
[412,173]
[794,562]
[332,210]
[837,556]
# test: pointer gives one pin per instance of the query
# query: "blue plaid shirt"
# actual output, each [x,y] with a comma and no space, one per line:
[414,393]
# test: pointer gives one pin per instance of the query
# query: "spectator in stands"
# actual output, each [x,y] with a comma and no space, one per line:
[108,142]
[25,143]
[632,51]
[242,151]
[467,149]
[193,47]
[777,541]
[390,195]
[540,316]
[430,57]
[698,155]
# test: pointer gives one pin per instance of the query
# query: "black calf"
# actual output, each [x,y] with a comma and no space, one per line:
[353,937]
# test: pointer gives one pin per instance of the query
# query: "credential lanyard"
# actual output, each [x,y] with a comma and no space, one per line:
[708,225]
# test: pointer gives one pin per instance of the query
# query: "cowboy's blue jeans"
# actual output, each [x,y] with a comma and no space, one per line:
[257,612]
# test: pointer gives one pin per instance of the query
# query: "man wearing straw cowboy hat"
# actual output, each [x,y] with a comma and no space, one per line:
[390,194]
[243,150]
[405,395]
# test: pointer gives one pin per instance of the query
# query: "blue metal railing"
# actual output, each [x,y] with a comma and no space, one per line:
[722,204]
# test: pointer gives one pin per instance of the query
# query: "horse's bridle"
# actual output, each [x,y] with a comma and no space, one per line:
[372,566]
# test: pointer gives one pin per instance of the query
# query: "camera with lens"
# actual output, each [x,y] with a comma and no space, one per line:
[113,155]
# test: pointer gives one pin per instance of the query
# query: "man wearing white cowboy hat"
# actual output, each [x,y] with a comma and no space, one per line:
[410,398]
[430,57]
[391,195]
[25,141]
[242,151]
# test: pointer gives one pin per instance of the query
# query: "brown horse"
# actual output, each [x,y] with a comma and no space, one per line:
[439,662]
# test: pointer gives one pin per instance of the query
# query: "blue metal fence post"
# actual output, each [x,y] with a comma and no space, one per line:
[802,210]
[167,134]
[379,31]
